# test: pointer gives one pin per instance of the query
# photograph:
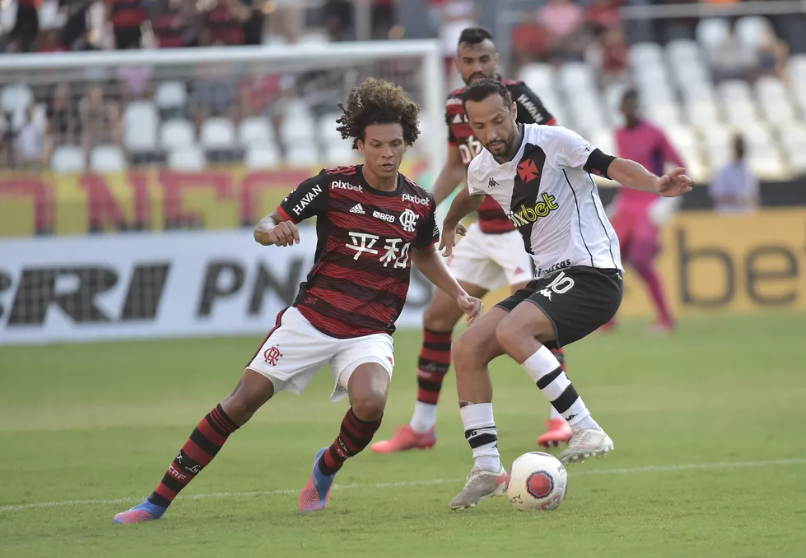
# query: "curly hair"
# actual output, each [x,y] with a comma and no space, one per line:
[378,102]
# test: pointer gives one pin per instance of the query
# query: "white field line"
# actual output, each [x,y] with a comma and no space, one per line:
[283,491]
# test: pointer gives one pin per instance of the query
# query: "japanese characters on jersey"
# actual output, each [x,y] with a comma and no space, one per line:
[362,263]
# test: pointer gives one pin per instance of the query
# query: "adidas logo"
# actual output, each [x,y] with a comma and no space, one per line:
[357,209]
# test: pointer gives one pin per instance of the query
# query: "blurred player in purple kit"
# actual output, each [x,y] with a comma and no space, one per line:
[637,216]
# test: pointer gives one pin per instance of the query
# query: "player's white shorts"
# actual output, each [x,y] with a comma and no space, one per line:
[491,260]
[295,350]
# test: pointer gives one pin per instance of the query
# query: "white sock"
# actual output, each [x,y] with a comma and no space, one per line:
[482,435]
[556,414]
[545,370]
[424,417]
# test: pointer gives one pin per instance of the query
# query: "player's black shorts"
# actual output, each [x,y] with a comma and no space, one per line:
[577,300]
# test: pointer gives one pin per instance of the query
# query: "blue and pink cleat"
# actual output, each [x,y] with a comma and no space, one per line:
[140,513]
[316,493]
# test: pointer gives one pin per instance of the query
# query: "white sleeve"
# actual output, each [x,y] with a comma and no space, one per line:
[569,149]
[475,182]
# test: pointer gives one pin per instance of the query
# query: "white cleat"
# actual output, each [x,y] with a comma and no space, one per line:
[585,444]
[480,484]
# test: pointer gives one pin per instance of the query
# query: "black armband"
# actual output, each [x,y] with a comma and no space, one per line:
[598,163]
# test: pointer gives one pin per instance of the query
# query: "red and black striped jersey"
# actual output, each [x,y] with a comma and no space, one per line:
[492,219]
[362,266]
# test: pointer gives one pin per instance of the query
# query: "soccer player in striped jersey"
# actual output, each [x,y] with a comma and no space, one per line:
[372,223]
[490,256]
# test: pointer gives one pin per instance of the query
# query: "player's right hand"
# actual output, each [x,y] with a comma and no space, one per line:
[676,183]
[447,241]
[284,234]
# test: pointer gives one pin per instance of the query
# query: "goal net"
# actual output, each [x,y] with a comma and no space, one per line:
[198,142]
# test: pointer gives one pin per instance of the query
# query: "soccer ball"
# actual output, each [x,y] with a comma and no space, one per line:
[536,481]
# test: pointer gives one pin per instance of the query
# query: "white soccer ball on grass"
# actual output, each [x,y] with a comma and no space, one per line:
[537,481]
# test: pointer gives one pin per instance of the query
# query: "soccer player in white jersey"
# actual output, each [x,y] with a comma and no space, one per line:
[540,175]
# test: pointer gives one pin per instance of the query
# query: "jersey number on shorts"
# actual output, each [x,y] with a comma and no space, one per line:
[470,149]
[560,285]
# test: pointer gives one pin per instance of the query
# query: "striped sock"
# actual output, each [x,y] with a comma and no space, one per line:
[354,435]
[559,354]
[482,435]
[200,449]
[544,368]
[433,364]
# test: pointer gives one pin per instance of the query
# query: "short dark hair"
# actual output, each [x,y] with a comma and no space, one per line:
[483,88]
[378,102]
[474,36]
[630,95]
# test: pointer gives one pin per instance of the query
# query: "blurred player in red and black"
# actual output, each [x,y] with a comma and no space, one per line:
[491,255]
[637,216]
[372,223]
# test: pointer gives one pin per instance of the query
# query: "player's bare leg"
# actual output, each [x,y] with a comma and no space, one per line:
[472,351]
[557,429]
[251,393]
[439,319]
[521,335]
[368,388]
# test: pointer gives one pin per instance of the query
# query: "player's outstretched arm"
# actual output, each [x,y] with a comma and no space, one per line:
[274,230]
[451,175]
[462,204]
[633,175]
[431,265]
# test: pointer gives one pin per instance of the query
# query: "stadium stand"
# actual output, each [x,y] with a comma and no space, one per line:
[729,76]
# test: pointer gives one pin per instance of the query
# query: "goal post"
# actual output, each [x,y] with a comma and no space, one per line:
[185,147]
[423,78]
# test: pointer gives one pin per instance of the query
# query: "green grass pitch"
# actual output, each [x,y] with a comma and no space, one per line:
[709,426]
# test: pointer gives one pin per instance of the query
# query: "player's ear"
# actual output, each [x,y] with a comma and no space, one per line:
[360,145]
[514,109]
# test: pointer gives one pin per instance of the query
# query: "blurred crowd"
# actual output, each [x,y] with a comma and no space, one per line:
[39,116]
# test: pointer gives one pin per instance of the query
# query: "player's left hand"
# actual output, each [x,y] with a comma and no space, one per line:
[676,183]
[471,306]
[461,229]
